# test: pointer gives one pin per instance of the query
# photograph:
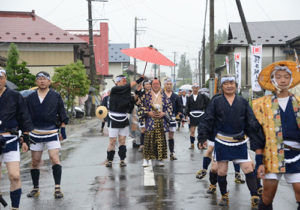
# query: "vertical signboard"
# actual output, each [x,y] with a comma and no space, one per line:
[227,64]
[256,61]
[238,69]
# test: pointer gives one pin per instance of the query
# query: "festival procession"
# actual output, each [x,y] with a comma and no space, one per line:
[147,109]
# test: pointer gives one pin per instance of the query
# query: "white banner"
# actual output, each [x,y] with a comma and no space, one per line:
[256,61]
[227,64]
[238,69]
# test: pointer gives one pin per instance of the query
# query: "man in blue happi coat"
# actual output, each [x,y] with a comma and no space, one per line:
[49,117]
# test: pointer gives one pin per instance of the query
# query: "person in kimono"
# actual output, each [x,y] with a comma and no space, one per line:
[177,109]
[140,93]
[156,108]
[279,115]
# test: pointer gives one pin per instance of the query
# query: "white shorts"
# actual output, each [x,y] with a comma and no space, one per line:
[172,129]
[237,161]
[210,143]
[11,156]
[50,145]
[115,132]
[289,178]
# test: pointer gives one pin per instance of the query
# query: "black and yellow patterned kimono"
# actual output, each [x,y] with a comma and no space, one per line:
[155,145]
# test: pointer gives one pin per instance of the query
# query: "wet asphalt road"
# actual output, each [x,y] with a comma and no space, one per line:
[88,184]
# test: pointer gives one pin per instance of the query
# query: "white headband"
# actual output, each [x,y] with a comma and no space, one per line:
[167,80]
[118,79]
[282,68]
[2,72]
[195,85]
[147,81]
[41,74]
[227,79]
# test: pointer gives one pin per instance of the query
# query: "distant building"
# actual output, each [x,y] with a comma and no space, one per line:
[278,38]
[100,41]
[2,61]
[110,61]
[130,72]
[45,46]
[118,61]
[41,44]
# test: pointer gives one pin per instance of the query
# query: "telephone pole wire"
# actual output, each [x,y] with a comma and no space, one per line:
[135,38]
[174,72]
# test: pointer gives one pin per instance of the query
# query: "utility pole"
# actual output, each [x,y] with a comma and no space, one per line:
[135,38]
[245,26]
[203,47]
[92,74]
[247,33]
[174,72]
[155,68]
[195,72]
[183,76]
[135,33]
[199,67]
[211,49]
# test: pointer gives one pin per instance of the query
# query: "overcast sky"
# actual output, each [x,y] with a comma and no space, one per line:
[170,25]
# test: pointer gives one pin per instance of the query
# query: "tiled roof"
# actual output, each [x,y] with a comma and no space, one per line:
[265,32]
[27,27]
[115,55]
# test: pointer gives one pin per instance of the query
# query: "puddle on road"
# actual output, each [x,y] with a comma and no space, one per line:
[91,132]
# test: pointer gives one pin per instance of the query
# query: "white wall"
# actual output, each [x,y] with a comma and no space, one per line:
[40,47]
[114,69]
[267,59]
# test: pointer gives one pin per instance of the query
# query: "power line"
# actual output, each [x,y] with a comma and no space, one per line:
[225,9]
[278,28]
[52,10]
[171,35]
[169,20]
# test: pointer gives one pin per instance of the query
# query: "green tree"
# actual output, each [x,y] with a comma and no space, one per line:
[12,59]
[71,81]
[125,73]
[22,77]
[184,71]
[18,73]
[220,37]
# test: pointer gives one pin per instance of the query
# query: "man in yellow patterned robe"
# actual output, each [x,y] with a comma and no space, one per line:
[279,115]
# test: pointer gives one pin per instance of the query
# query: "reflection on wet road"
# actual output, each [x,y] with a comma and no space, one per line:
[88,184]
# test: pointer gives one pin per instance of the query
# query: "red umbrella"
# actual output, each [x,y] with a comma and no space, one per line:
[148,54]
